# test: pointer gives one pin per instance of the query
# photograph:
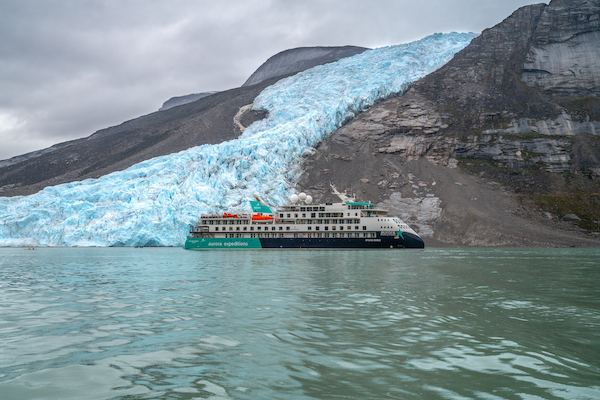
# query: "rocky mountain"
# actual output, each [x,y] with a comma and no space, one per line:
[498,147]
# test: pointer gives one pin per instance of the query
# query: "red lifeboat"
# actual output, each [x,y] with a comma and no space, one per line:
[261,218]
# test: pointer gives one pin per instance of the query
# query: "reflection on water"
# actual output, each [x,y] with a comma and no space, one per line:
[169,323]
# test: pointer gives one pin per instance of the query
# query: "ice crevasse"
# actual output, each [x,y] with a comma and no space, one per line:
[154,202]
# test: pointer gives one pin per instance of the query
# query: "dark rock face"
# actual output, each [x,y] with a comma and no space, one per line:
[479,153]
[485,76]
[565,52]
[296,60]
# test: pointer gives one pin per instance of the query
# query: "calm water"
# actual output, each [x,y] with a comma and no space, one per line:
[173,324]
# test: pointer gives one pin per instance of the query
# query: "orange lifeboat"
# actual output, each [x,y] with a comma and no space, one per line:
[261,218]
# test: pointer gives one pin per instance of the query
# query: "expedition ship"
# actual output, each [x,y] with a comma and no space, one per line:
[348,224]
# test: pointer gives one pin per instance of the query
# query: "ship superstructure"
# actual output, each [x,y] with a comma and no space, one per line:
[347,224]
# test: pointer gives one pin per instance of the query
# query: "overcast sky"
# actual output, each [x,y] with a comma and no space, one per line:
[69,68]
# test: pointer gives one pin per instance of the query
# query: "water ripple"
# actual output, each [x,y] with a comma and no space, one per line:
[166,323]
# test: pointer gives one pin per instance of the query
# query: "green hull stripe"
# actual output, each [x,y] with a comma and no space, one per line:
[222,243]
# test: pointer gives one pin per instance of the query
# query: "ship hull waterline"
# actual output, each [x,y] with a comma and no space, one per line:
[408,241]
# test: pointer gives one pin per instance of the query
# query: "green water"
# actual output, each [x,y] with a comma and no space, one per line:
[363,324]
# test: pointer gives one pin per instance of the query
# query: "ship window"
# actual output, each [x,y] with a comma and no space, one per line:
[364,228]
[287,228]
[310,227]
[281,235]
[231,228]
[356,214]
[349,227]
[295,235]
[251,228]
[302,208]
[333,228]
[288,215]
[280,228]
[217,228]
[326,228]
[237,228]
[317,228]
[312,215]
[326,221]
[318,235]
[356,227]
[245,228]
[273,228]
[280,215]
[295,215]
[341,228]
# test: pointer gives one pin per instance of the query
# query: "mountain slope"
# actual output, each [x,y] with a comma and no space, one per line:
[209,120]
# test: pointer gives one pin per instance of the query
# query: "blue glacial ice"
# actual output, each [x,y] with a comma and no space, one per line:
[155,201]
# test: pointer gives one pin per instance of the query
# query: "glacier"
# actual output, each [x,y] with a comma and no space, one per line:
[153,203]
